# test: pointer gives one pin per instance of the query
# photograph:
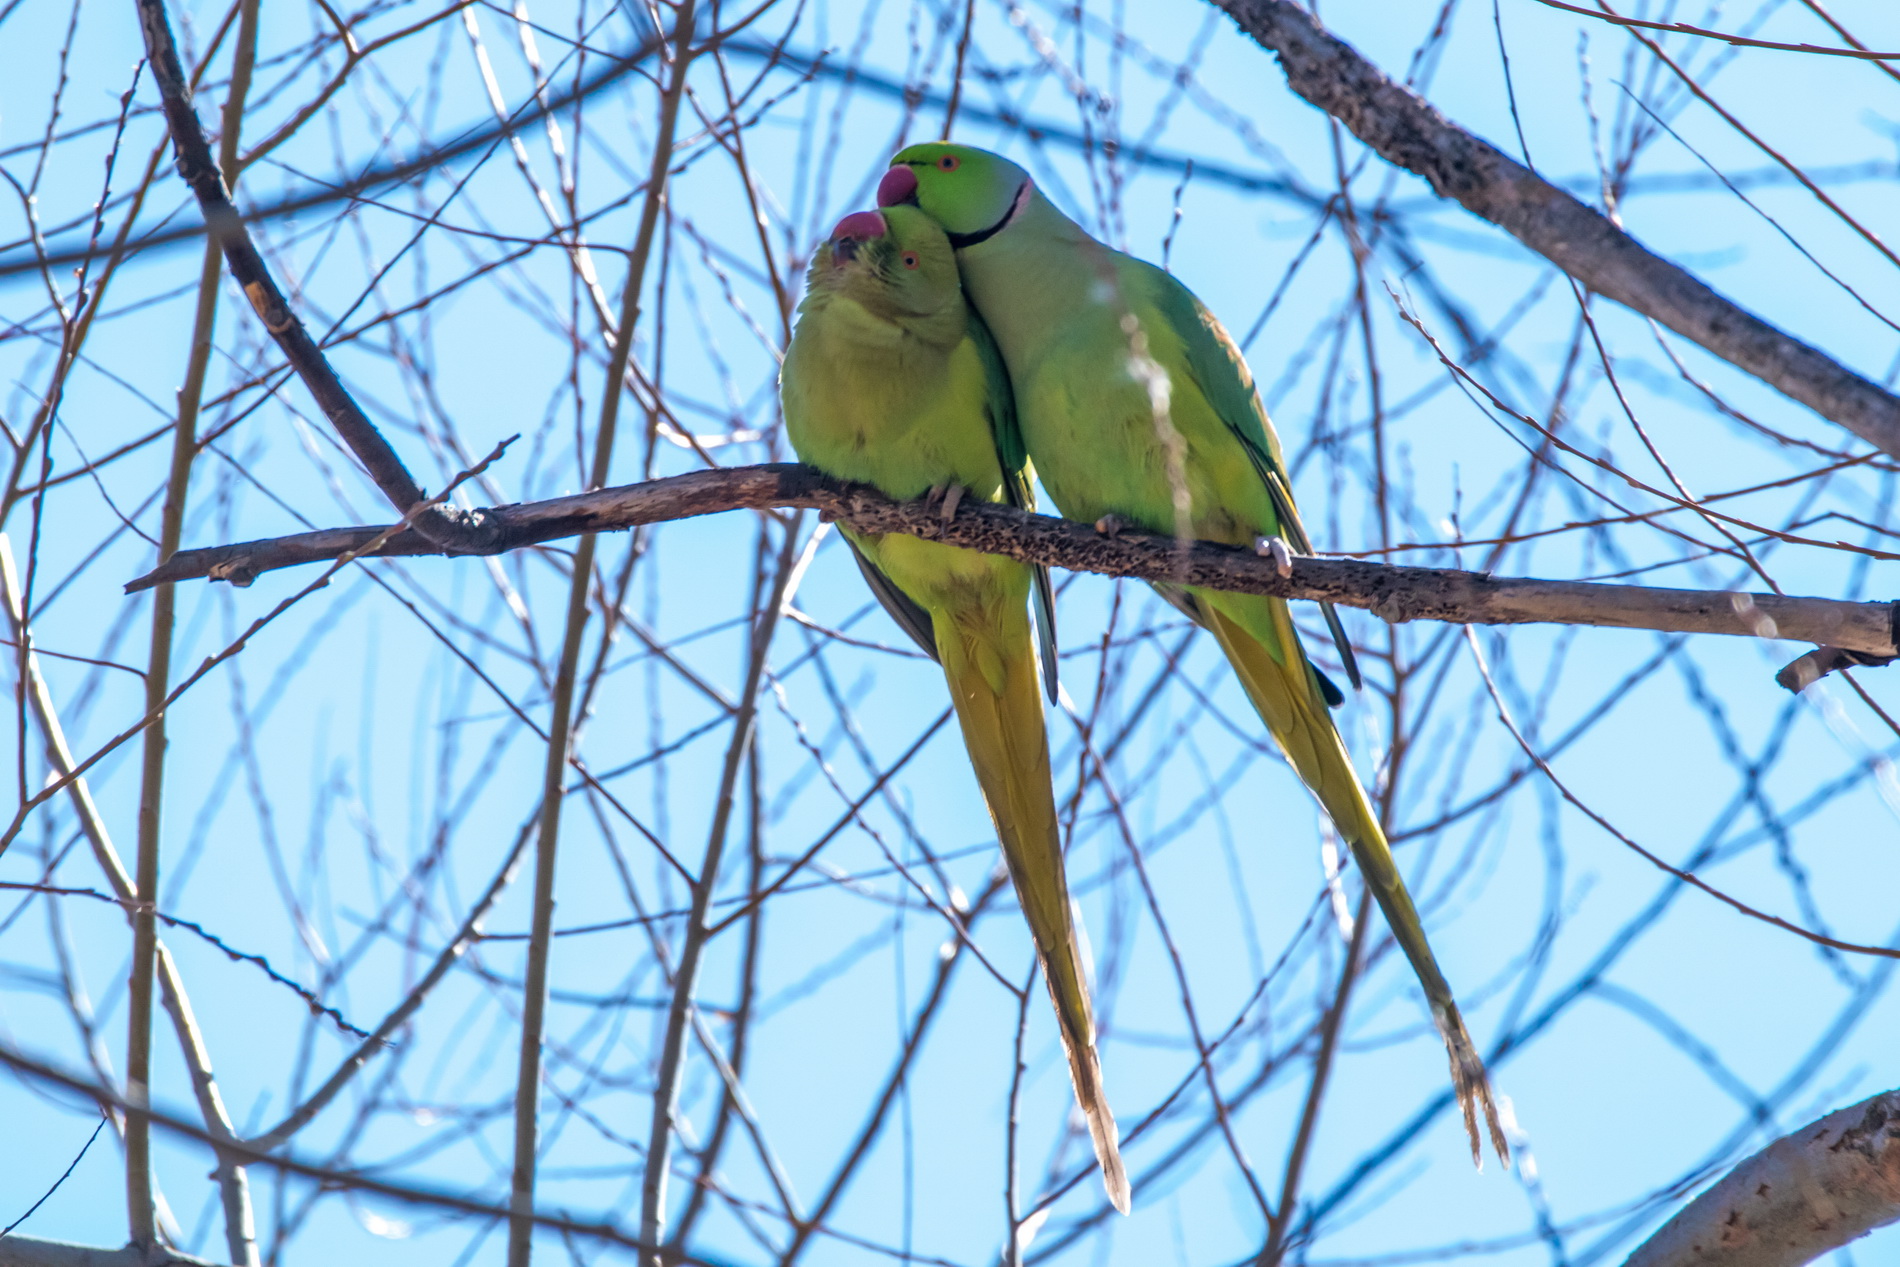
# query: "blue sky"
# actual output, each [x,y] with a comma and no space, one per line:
[383,781]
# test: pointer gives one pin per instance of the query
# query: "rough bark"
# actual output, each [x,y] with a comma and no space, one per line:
[1389,592]
[1831,1182]
[25,1251]
[1405,129]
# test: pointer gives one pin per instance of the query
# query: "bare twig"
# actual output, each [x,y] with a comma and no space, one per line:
[1649,856]
[1740,41]
[1805,670]
[234,1189]
[1335,1018]
[672,1063]
[441,522]
[138,1055]
[330,1176]
[379,1039]
[562,720]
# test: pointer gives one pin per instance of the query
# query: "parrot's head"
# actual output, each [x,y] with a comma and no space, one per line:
[972,193]
[895,263]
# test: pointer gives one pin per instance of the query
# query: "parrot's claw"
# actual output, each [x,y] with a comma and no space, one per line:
[1110,525]
[1276,549]
[944,499]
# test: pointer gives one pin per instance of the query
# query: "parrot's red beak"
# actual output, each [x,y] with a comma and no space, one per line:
[899,185]
[857,228]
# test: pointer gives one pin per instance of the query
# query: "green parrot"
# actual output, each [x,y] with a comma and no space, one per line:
[892,381]
[1138,408]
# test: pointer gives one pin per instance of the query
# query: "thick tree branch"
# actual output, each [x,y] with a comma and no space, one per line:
[1391,593]
[1407,131]
[1831,1182]
[199,169]
[26,1251]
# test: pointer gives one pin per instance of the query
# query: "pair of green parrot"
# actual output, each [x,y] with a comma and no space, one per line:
[969,327]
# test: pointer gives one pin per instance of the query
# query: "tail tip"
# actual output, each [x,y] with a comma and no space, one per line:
[1472,1086]
[1108,1155]
[1115,1183]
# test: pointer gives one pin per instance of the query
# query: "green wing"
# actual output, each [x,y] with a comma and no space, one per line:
[905,610]
[1018,487]
[1218,369]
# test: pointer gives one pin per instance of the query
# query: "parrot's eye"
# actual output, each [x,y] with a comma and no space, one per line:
[910,259]
[949,162]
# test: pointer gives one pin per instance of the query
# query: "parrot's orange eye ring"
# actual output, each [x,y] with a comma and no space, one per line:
[910,259]
[949,162]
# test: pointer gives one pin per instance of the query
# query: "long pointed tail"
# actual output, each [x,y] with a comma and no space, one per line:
[1289,701]
[992,675]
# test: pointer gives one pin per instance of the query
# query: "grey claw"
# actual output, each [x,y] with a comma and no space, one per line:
[1110,525]
[1276,549]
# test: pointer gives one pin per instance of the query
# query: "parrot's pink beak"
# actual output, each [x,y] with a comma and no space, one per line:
[860,226]
[856,228]
[899,185]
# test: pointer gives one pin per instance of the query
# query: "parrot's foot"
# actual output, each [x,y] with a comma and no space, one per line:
[945,498]
[1110,525]
[1276,549]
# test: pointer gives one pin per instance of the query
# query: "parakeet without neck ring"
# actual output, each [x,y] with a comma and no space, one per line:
[1135,403]
[891,380]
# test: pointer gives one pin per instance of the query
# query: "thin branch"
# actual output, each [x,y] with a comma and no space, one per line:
[562,720]
[666,1090]
[226,227]
[1686,877]
[1408,131]
[380,1039]
[233,1186]
[141,1213]
[1391,592]
[1740,41]
[330,1177]
[1330,1025]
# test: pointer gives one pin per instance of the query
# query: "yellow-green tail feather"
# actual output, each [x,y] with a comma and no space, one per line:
[1289,701]
[991,668]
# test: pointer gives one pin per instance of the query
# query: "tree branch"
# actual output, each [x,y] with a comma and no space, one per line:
[330,1177]
[233,1186]
[201,172]
[1407,131]
[1390,592]
[26,1251]
[1830,1182]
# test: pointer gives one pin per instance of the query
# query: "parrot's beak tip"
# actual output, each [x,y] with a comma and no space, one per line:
[899,185]
[852,233]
